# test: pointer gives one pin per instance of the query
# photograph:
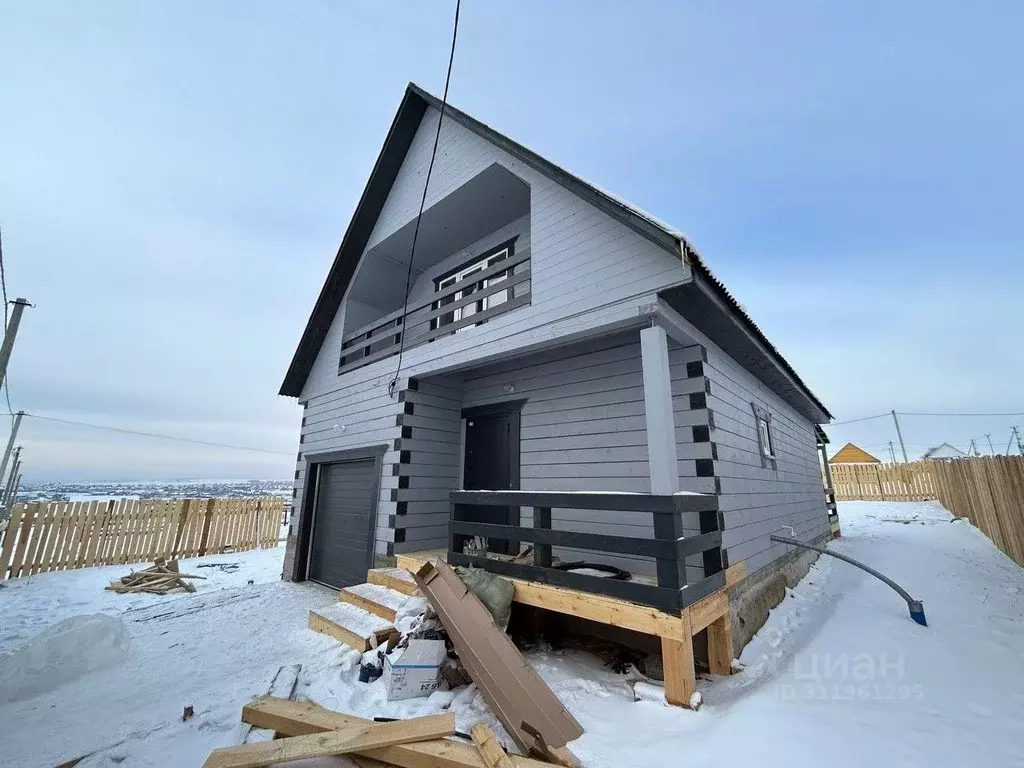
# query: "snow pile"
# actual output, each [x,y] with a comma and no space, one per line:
[65,652]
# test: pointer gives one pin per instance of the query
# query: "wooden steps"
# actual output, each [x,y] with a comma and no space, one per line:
[378,600]
[351,625]
[397,579]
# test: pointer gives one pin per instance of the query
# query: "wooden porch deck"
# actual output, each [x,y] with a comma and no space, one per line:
[675,630]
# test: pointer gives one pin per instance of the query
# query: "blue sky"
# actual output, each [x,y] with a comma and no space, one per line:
[175,178]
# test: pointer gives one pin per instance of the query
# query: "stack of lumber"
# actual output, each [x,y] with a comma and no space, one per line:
[159,579]
[304,729]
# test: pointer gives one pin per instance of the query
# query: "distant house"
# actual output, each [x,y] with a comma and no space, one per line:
[943,451]
[851,454]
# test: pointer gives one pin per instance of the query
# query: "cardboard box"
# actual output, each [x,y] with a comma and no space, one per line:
[415,670]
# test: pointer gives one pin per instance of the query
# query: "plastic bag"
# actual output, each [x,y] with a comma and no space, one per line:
[494,592]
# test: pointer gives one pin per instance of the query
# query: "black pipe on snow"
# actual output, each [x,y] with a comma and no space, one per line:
[916,606]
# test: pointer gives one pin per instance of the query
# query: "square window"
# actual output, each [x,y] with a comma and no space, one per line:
[463,276]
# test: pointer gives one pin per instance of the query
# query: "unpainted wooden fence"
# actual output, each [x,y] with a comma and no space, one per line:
[57,536]
[988,490]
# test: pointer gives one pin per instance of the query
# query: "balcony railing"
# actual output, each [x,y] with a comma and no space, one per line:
[670,546]
[432,318]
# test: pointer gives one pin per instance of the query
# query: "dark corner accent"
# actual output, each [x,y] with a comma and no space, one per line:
[725,558]
[707,386]
[402,508]
[297,473]
[703,353]
[397,446]
[398,419]
[670,547]
[303,421]
[302,439]
[701,434]
[698,400]
[711,418]
[404,457]
[403,481]
[406,432]
[391,521]
[394,494]
[298,456]
[409,408]
[401,396]
[391,549]
[718,486]
[399,535]
[694,369]
[714,451]
[705,467]
[414,384]
[394,470]
[295,493]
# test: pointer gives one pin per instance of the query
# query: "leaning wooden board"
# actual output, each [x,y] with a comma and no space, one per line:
[516,694]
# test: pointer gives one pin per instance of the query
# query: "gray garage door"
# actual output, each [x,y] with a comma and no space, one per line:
[343,525]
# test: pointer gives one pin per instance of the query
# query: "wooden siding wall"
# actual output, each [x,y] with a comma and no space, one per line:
[589,273]
[757,500]
[430,462]
[583,428]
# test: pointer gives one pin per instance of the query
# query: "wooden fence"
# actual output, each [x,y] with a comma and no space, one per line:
[988,490]
[884,482]
[57,536]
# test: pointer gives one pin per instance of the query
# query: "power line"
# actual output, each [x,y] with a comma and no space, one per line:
[854,421]
[901,413]
[423,200]
[153,434]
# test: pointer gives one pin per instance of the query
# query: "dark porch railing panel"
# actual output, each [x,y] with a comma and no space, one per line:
[383,337]
[670,546]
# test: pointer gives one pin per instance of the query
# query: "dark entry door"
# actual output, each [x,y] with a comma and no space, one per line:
[343,523]
[492,464]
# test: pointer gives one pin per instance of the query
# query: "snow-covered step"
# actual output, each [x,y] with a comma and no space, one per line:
[379,600]
[397,579]
[351,625]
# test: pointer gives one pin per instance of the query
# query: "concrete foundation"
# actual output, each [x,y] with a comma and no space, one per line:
[288,571]
[752,599]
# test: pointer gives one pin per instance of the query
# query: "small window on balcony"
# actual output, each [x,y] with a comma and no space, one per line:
[463,276]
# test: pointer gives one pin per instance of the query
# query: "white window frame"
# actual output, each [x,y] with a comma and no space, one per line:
[765,436]
[493,300]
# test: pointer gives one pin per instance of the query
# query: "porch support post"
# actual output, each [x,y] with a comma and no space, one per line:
[661,430]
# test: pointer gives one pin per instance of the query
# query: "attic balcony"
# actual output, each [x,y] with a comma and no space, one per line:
[471,264]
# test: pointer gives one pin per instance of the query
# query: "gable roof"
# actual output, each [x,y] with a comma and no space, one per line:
[403,128]
[851,454]
[943,451]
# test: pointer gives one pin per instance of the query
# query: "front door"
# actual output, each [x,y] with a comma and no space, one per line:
[492,464]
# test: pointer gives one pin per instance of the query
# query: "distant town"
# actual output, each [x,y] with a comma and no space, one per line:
[156,489]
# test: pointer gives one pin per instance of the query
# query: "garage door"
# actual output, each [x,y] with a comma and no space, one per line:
[344,523]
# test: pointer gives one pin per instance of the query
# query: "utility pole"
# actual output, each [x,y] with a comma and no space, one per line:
[12,331]
[972,448]
[990,448]
[892,453]
[14,496]
[1020,445]
[10,479]
[10,443]
[900,436]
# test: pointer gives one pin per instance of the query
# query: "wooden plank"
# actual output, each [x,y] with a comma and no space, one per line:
[95,517]
[487,745]
[392,579]
[42,531]
[10,536]
[53,545]
[345,595]
[720,644]
[204,539]
[72,520]
[131,536]
[735,573]
[296,718]
[325,626]
[704,612]
[355,738]
[24,536]
[677,663]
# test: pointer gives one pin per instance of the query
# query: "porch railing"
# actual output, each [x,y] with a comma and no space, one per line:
[383,337]
[670,546]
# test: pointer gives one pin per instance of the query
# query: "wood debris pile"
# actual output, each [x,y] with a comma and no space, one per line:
[159,579]
[304,729]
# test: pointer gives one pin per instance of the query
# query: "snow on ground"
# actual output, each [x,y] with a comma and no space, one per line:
[839,674]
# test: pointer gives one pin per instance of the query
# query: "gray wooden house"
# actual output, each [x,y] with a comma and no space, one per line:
[555,338]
